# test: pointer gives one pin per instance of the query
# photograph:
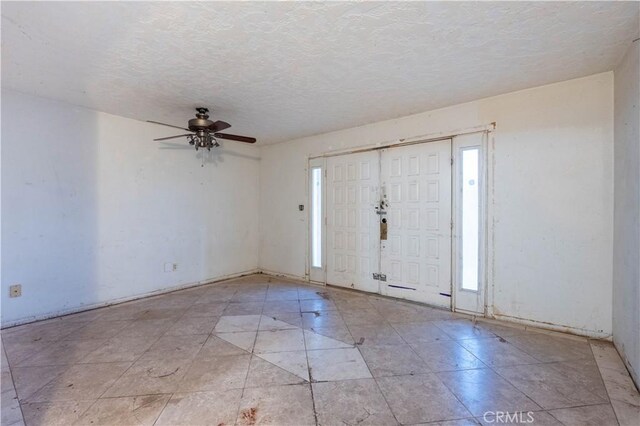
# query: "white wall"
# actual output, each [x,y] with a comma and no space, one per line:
[626,236]
[552,159]
[92,208]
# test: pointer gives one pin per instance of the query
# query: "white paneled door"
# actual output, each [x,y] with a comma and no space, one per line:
[353,243]
[416,192]
[407,190]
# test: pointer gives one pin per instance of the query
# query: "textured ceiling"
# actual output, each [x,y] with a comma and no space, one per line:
[282,70]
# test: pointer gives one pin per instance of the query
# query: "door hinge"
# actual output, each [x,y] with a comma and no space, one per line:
[376,276]
[452,161]
[380,277]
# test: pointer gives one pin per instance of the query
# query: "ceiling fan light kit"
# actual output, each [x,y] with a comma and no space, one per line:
[204,132]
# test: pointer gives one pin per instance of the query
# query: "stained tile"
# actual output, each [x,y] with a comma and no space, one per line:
[81,382]
[505,329]
[548,348]
[281,307]
[311,293]
[337,364]
[54,329]
[375,335]
[218,407]
[29,380]
[291,318]
[243,308]
[315,340]
[496,352]
[136,410]
[209,309]
[216,373]
[446,355]
[192,325]
[99,330]
[273,323]
[393,360]
[362,317]
[150,376]
[593,415]
[18,351]
[420,332]
[120,349]
[279,341]
[585,373]
[461,329]
[277,405]
[180,347]
[548,387]
[314,305]
[60,413]
[156,313]
[351,402]
[282,294]
[10,414]
[619,386]
[482,390]
[268,373]
[62,353]
[322,319]
[228,324]
[627,414]
[340,333]
[249,296]
[421,399]
[145,328]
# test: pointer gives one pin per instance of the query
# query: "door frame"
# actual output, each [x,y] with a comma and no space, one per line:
[319,276]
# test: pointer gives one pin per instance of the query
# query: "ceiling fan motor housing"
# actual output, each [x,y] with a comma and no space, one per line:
[201,122]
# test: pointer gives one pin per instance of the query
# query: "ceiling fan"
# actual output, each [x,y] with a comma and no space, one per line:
[204,132]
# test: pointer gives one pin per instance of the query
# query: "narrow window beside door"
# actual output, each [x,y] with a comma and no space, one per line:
[316,217]
[470,218]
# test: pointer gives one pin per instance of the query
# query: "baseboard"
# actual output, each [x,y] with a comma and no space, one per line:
[553,327]
[112,302]
[283,275]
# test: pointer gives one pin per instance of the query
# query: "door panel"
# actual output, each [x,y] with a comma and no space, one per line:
[353,245]
[416,190]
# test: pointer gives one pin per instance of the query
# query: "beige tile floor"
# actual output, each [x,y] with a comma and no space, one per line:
[263,350]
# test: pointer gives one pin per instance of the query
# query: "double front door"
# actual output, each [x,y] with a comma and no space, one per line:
[388,222]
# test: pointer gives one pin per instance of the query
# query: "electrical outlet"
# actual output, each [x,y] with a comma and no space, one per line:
[15,290]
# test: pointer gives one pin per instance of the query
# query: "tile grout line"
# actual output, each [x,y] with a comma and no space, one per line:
[255,339]
[205,342]
[606,388]
[306,354]
[13,383]
[368,368]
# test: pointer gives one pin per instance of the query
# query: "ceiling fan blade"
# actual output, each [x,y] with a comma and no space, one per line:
[238,138]
[168,125]
[172,137]
[219,125]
